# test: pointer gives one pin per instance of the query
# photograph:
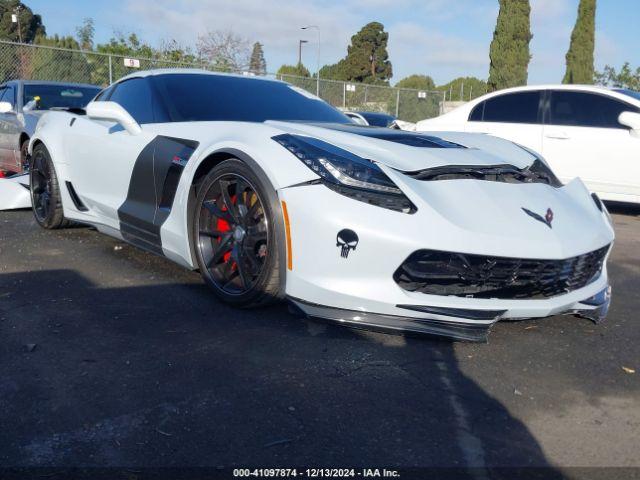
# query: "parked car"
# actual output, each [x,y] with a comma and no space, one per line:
[22,103]
[582,131]
[272,194]
[375,119]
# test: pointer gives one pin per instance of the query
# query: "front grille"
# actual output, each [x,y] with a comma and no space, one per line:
[479,276]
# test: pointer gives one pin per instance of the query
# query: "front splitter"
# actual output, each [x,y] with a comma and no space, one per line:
[458,329]
[455,323]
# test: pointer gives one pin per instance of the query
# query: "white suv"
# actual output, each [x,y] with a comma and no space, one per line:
[585,131]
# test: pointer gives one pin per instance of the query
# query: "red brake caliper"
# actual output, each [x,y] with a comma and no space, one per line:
[223,226]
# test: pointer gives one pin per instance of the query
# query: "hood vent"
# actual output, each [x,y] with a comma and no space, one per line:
[537,172]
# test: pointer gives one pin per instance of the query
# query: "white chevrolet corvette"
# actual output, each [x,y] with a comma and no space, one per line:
[272,193]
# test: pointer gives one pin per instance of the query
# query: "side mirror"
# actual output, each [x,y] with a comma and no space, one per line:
[112,111]
[631,120]
[6,107]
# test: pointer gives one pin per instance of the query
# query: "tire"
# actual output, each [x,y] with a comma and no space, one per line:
[46,201]
[24,152]
[238,237]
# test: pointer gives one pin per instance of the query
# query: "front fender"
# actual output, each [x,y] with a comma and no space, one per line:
[268,158]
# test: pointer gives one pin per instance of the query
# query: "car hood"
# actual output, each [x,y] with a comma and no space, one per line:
[408,151]
[493,213]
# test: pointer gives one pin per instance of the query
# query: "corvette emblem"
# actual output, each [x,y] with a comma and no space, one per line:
[547,219]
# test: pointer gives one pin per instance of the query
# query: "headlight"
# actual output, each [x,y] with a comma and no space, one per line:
[542,173]
[347,173]
[541,169]
[602,208]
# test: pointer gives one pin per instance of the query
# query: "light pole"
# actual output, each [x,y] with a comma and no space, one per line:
[300,42]
[318,60]
[15,18]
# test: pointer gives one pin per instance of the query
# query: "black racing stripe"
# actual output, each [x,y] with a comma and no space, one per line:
[397,136]
[152,188]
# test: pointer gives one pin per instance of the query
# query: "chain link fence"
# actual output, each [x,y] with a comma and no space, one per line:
[404,103]
[39,62]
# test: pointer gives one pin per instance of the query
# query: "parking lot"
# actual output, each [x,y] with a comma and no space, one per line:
[114,357]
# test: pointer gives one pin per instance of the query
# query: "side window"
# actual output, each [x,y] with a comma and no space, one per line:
[520,107]
[477,113]
[583,109]
[136,98]
[3,90]
[10,95]
[103,96]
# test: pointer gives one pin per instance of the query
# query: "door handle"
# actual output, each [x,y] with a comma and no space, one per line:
[557,135]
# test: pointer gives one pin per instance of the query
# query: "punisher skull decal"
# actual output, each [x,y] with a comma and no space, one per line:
[347,240]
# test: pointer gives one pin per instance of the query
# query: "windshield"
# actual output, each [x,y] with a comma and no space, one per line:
[44,97]
[201,97]
[378,119]
[630,93]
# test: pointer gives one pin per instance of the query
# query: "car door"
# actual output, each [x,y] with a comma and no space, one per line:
[10,129]
[102,155]
[583,138]
[515,116]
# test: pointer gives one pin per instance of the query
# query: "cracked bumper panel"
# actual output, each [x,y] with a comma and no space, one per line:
[14,192]
[594,308]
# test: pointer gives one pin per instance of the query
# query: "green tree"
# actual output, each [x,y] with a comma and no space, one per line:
[509,52]
[464,88]
[367,58]
[172,51]
[417,82]
[580,55]
[85,33]
[257,63]
[59,65]
[31,25]
[334,72]
[15,61]
[625,78]
[122,45]
[296,70]
[126,45]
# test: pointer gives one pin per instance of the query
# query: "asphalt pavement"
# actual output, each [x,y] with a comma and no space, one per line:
[113,357]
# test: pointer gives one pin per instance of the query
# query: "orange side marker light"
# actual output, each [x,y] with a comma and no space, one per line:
[287,231]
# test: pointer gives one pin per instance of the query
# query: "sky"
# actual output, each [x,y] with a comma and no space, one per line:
[441,38]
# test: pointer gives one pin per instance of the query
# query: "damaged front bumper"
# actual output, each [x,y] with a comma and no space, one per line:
[460,324]
[14,192]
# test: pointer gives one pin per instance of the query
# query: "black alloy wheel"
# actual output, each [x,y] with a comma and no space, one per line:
[45,192]
[237,233]
[233,234]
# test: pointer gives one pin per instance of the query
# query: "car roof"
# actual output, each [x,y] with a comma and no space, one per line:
[193,71]
[48,82]
[611,91]
[560,86]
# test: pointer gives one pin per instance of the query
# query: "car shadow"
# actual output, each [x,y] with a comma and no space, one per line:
[164,375]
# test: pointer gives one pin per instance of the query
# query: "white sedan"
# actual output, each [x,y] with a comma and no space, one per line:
[271,194]
[582,131]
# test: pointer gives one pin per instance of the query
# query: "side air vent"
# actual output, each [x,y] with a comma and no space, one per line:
[75,198]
